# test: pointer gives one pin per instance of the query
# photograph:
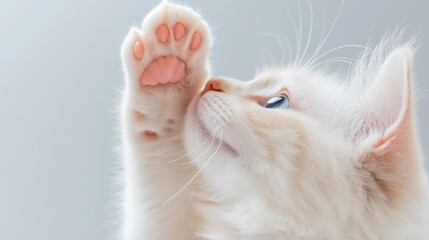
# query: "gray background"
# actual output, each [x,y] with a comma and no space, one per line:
[60,73]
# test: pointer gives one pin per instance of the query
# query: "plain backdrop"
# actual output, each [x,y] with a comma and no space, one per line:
[60,73]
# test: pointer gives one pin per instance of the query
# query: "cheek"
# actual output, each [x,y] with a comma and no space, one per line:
[280,134]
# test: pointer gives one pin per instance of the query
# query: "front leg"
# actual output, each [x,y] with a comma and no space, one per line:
[165,65]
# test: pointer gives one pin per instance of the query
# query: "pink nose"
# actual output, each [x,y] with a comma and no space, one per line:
[214,85]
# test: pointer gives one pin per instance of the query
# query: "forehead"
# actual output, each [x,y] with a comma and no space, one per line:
[266,84]
[298,82]
[273,81]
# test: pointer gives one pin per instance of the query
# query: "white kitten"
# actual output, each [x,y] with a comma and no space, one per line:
[289,155]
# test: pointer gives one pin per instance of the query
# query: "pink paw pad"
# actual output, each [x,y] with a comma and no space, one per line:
[162,33]
[167,69]
[179,31]
[195,41]
[138,50]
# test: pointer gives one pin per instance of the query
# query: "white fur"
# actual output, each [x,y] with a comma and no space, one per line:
[309,172]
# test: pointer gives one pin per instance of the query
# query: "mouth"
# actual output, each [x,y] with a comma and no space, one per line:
[207,134]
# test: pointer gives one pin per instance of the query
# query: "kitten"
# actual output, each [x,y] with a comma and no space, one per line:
[292,154]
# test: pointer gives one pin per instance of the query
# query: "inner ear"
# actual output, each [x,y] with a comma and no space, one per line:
[388,99]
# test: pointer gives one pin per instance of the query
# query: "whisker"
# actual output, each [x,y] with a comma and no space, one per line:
[295,32]
[293,21]
[350,61]
[267,57]
[283,49]
[298,52]
[309,34]
[327,34]
[323,31]
[333,50]
[280,41]
[193,150]
[193,178]
[201,154]
[188,152]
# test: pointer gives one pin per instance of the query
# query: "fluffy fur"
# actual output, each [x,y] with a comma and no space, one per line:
[204,158]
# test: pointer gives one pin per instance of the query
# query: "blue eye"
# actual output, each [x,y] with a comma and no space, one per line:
[281,101]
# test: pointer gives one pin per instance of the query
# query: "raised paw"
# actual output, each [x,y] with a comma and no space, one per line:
[172,47]
[165,63]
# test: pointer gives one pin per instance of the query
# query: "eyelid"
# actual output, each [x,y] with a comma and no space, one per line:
[262,100]
[285,92]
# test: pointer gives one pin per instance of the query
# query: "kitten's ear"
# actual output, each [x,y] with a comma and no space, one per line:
[392,154]
[388,101]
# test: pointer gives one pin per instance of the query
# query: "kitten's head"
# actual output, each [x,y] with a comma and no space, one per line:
[302,149]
